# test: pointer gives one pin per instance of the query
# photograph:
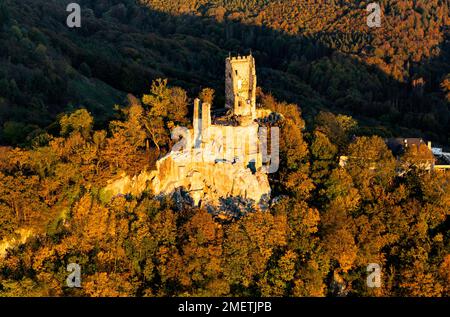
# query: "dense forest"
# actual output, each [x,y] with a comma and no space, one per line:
[319,54]
[79,106]
[324,224]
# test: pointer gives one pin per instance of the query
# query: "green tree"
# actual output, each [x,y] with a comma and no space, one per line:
[165,108]
[80,121]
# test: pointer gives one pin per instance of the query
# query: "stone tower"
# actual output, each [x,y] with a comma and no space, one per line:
[217,158]
[240,86]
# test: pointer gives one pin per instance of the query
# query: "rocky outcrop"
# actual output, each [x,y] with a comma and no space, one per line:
[22,236]
[206,182]
[124,184]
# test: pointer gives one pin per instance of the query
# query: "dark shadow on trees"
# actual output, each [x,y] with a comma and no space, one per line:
[122,47]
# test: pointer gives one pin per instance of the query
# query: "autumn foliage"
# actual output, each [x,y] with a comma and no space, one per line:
[325,224]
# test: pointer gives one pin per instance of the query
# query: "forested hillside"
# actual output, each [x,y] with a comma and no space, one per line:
[324,225]
[319,54]
[80,107]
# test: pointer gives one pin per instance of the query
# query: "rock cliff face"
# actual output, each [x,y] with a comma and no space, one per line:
[22,236]
[125,184]
[206,182]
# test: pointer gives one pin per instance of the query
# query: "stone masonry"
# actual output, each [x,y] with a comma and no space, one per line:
[213,161]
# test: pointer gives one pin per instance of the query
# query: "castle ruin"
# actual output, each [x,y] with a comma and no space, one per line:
[240,86]
[219,157]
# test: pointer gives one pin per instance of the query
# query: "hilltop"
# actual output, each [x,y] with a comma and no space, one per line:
[322,56]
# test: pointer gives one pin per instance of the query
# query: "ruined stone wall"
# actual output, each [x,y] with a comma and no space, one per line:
[205,182]
[217,161]
[234,144]
[208,182]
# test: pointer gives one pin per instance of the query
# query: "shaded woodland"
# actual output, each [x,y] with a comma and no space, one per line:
[80,106]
